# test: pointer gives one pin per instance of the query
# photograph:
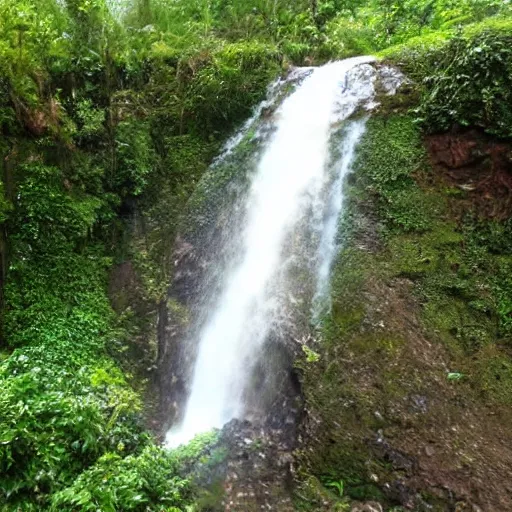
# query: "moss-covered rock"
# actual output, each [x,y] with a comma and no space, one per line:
[412,351]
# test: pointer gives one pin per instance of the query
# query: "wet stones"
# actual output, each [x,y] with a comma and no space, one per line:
[371,506]
[258,475]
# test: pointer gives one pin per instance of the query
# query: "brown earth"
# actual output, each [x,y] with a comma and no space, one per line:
[478,164]
[436,436]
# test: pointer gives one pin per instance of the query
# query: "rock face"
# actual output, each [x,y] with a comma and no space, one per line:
[381,410]
[174,361]
[258,475]
[478,164]
[371,506]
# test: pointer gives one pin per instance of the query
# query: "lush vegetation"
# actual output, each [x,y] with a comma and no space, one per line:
[464,78]
[113,113]
[92,116]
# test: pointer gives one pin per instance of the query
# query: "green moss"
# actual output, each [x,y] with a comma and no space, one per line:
[452,263]
[421,254]
[387,347]
[390,155]
[217,187]
[406,98]
[178,311]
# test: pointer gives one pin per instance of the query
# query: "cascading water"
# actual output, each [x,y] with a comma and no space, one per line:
[295,194]
[328,246]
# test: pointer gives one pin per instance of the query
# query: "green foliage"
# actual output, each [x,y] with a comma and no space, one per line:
[229,84]
[308,30]
[338,485]
[465,76]
[55,422]
[30,38]
[134,158]
[412,28]
[64,403]
[90,119]
[44,211]
[155,478]
[311,355]
[4,204]
[194,450]
[348,37]
[135,483]
[472,82]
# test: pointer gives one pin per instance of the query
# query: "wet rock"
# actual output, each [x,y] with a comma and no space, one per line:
[371,506]
[258,468]
[399,460]
[391,79]
[429,450]
[419,403]
[400,492]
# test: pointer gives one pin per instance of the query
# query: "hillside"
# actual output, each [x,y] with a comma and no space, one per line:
[397,396]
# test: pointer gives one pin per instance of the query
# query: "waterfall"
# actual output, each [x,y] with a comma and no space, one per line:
[296,188]
[328,246]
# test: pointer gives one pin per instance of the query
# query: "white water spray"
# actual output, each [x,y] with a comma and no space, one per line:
[294,178]
[328,246]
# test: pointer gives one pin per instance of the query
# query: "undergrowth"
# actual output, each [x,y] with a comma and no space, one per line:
[464,77]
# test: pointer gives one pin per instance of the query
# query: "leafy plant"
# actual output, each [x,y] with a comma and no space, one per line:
[472,82]
[311,355]
[133,483]
[338,485]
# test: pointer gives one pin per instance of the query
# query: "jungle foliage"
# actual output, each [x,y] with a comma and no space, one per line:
[464,78]
[111,109]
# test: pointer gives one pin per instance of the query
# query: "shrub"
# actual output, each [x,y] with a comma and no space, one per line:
[142,482]
[466,78]
[472,85]
[56,419]
[223,91]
